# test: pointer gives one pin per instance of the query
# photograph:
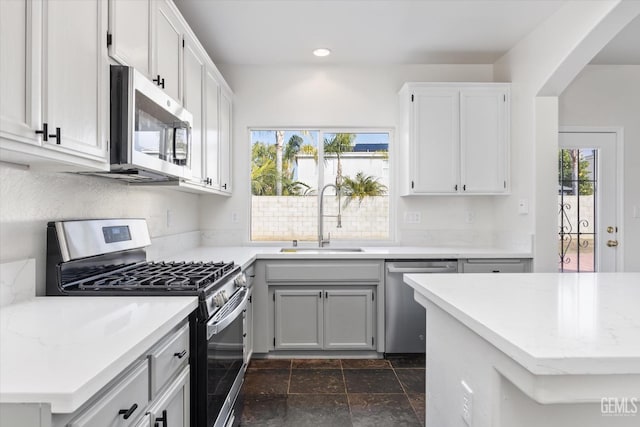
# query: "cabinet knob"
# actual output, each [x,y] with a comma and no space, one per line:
[128,412]
[44,132]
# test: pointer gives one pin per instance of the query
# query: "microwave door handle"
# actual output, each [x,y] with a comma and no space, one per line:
[215,326]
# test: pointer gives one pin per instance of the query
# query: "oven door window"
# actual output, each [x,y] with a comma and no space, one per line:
[224,363]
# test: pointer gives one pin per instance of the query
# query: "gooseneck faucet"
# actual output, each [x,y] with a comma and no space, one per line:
[321,240]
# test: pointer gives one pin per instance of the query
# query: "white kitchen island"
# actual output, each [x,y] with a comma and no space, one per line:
[535,349]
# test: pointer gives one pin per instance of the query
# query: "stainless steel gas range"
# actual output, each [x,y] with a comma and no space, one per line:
[107,257]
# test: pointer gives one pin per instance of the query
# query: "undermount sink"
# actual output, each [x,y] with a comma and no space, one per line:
[319,250]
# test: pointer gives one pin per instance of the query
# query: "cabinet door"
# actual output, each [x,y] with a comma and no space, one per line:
[212,129]
[248,329]
[172,408]
[483,139]
[168,49]
[298,319]
[20,52]
[225,141]
[349,319]
[193,102]
[130,30]
[434,140]
[130,394]
[76,75]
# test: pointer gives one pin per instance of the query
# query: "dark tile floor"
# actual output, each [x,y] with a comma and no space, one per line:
[335,392]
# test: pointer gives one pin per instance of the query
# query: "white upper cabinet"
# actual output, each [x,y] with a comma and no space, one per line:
[130,24]
[225,141]
[193,101]
[454,138]
[168,49]
[212,129]
[20,59]
[55,83]
[76,75]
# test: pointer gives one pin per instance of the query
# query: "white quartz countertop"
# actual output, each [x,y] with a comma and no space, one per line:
[551,324]
[245,255]
[63,350]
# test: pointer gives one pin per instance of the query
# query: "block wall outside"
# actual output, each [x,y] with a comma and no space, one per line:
[283,218]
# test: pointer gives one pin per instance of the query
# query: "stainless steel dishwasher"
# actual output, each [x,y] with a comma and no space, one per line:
[405,320]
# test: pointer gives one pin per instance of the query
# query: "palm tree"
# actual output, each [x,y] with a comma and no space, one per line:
[340,143]
[361,186]
[291,151]
[279,144]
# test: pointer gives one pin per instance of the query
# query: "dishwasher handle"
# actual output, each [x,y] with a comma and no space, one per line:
[449,269]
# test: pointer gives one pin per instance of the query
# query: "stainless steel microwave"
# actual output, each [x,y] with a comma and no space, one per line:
[150,134]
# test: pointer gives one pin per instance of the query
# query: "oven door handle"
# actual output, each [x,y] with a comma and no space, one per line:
[215,325]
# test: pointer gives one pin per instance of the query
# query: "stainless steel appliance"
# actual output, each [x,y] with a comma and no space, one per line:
[405,320]
[150,133]
[107,257]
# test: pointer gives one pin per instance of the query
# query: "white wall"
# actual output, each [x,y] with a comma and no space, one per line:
[610,96]
[306,96]
[29,199]
[544,63]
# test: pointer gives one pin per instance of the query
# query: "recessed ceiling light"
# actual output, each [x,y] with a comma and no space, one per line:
[323,51]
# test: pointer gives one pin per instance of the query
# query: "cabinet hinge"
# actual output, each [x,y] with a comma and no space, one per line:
[411,97]
[109,39]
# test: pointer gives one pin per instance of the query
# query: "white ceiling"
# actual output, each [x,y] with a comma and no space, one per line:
[364,32]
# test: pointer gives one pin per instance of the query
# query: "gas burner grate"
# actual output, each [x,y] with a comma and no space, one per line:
[160,276]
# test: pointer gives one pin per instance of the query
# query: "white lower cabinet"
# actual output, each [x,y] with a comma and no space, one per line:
[171,408]
[324,319]
[122,405]
[154,391]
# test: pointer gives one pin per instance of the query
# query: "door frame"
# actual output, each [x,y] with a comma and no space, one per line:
[619,154]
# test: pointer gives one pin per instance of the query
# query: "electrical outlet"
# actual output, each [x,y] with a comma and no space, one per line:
[412,217]
[470,217]
[467,404]
[523,206]
[169,218]
[235,218]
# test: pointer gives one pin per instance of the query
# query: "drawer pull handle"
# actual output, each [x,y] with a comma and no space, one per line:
[128,412]
[163,418]
[181,354]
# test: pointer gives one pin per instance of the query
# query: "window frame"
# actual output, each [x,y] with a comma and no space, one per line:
[323,130]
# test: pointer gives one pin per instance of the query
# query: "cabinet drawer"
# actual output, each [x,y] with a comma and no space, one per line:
[323,272]
[168,358]
[132,390]
[494,267]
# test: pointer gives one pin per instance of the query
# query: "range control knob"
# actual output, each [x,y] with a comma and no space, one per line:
[241,280]
[219,299]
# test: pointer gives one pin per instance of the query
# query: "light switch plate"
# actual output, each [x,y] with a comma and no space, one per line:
[412,217]
[523,206]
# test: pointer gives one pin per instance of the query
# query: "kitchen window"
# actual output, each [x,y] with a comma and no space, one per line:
[289,169]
